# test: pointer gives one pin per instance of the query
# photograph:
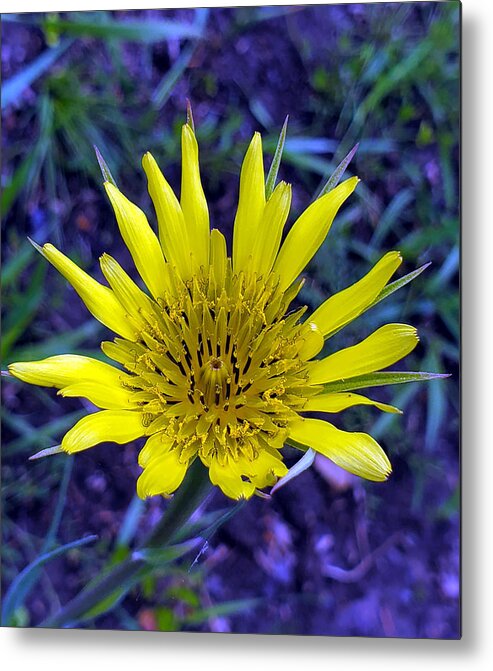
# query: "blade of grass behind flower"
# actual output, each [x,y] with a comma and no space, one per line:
[130,522]
[16,184]
[24,311]
[391,215]
[60,344]
[148,32]
[222,610]
[18,262]
[164,89]
[436,403]
[13,88]
[21,585]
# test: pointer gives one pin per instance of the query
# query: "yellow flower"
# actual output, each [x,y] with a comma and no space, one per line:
[214,365]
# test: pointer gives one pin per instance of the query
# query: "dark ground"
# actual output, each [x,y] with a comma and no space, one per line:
[328,554]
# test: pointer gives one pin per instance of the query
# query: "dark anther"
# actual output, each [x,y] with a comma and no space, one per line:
[248,363]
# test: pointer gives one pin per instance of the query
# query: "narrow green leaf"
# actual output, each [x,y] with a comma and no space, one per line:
[436,404]
[105,171]
[21,584]
[148,32]
[336,176]
[222,609]
[164,89]
[16,264]
[130,522]
[13,88]
[301,465]
[390,216]
[211,529]
[207,524]
[165,555]
[15,184]
[380,379]
[276,161]
[398,284]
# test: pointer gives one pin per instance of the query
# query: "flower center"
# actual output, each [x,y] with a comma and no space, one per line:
[215,382]
[220,368]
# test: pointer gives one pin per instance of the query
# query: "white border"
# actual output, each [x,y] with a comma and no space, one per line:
[79,650]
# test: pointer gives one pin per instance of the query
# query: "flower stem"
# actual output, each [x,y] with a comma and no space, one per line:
[114,584]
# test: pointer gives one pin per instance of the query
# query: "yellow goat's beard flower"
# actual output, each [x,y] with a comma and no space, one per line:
[214,366]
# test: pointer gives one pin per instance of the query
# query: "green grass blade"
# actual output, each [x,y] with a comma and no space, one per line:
[13,88]
[16,264]
[222,610]
[147,32]
[164,89]
[166,555]
[25,581]
[130,522]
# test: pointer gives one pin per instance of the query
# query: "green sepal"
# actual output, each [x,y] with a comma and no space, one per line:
[276,161]
[105,171]
[335,178]
[47,452]
[398,284]
[380,379]
[190,115]
[301,465]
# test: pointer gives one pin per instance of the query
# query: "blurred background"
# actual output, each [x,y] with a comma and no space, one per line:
[328,554]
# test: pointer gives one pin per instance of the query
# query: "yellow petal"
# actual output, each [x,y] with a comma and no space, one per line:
[66,369]
[343,307]
[112,426]
[357,453]
[385,346]
[228,478]
[335,402]
[270,229]
[251,203]
[173,234]
[140,240]
[193,201]
[99,300]
[133,299]
[219,256]
[309,231]
[313,341]
[157,445]
[108,397]
[264,470]
[162,475]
